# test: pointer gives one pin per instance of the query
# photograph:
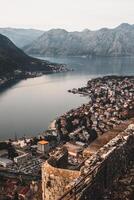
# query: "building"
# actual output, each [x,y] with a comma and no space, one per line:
[24,193]
[4,162]
[43,146]
[22,158]
[73,149]
[21,143]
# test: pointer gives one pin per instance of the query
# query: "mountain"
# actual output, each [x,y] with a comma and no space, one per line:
[104,42]
[21,37]
[12,58]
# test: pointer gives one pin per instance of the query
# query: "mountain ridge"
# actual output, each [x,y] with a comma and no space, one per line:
[118,41]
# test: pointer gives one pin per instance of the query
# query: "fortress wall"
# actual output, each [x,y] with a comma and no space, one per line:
[95,176]
[111,162]
[55,179]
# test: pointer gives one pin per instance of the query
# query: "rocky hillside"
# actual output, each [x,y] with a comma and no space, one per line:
[104,42]
[12,58]
[21,37]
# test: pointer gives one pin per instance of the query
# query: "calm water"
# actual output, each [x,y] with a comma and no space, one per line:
[28,107]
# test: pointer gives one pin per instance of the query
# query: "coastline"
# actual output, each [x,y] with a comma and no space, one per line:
[53,124]
[18,75]
[127,107]
[84,129]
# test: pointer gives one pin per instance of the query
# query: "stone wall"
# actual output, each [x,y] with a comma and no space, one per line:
[101,169]
[95,176]
[55,177]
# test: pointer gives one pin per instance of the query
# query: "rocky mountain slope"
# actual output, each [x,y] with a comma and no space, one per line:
[21,37]
[104,42]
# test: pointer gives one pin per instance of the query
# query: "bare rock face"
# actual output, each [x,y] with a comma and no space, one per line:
[104,42]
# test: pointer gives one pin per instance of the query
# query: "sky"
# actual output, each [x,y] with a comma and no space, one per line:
[67,14]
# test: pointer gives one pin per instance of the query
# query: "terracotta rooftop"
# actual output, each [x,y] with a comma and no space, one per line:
[43,142]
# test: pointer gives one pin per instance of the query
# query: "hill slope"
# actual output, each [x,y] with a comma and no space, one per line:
[12,58]
[104,42]
[21,37]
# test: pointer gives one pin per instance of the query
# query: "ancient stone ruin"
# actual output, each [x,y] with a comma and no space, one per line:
[95,176]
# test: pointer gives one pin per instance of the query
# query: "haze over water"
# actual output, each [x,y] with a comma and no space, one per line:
[28,107]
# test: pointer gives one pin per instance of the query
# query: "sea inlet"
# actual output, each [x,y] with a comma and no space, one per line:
[28,107]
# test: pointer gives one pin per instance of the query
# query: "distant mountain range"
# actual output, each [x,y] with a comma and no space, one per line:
[104,42]
[12,58]
[21,37]
[59,42]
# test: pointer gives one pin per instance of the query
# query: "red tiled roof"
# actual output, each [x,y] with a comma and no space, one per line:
[24,190]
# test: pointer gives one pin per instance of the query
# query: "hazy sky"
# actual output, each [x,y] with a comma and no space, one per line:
[67,14]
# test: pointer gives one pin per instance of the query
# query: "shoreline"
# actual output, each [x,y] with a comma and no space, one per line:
[83,126]
[17,75]
[100,125]
[53,124]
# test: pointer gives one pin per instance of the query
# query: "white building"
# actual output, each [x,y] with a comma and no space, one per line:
[22,158]
[4,162]
[21,143]
[43,146]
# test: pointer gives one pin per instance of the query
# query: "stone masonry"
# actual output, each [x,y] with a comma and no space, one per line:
[96,175]
[55,178]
